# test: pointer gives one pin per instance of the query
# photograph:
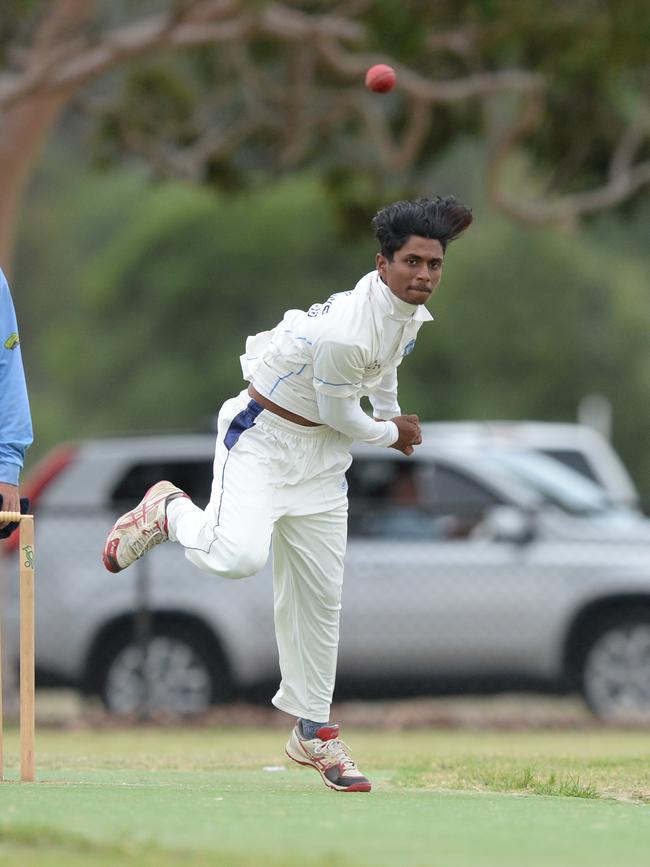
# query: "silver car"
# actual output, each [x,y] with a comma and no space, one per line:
[467,568]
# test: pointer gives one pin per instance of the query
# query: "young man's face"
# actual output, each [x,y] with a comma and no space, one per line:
[415,271]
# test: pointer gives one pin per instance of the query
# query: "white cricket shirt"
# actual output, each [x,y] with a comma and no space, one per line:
[337,352]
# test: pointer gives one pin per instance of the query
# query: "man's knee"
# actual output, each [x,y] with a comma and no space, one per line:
[244,565]
[244,560]
[232,561]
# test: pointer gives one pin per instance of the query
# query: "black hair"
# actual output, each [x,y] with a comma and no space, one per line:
[442,218]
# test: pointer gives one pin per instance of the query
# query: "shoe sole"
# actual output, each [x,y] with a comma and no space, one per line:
[108,560]
[355,787]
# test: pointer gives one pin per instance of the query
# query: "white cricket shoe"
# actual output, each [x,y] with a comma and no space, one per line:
[330,757]
[141,529]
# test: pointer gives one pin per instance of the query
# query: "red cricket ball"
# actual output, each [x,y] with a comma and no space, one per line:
[381,78]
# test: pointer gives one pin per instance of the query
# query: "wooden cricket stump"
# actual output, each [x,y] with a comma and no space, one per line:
[27,660]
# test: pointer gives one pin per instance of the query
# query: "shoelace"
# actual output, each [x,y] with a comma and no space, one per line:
[147,540]
[336,750]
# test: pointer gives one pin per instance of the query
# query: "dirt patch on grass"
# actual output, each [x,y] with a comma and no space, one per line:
[66,709]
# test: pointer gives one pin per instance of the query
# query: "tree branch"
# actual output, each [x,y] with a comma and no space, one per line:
[426,90]
[292,25]
[290,104]
[628,146]
[198,23]
[396,155]
[624,179]
[62,22]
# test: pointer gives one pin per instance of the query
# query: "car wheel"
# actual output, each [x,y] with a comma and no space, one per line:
[616,671]
[175,672]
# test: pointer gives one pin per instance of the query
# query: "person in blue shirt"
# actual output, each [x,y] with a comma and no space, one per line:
[15,418]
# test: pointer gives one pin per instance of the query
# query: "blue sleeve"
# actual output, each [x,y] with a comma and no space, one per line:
[15,419]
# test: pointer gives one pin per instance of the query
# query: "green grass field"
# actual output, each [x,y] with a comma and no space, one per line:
[168,797]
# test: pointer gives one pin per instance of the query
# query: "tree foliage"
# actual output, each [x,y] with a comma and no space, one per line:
[552,96]
[157,308]
[233,92]
[567,84]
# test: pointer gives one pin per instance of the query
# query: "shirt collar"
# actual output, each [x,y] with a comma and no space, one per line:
[392,306]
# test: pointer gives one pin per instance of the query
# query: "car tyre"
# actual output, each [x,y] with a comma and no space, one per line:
[616,669]
[177,671]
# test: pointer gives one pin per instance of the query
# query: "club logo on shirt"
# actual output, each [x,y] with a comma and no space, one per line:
[322,309]
[373,367]
[410,346]
[12,341]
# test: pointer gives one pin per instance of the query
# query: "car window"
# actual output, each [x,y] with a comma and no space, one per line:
[413,500]
[575,460]
[192,476]
[558,484]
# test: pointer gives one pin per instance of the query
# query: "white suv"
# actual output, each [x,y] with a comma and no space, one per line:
[466,567]
[577,446]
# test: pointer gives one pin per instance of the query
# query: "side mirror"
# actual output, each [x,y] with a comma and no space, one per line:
[508,524]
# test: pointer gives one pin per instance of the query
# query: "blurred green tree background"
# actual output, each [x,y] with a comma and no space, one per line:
[184,200]
[138,314]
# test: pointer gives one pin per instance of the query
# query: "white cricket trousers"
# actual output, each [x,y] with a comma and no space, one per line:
[282,482]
